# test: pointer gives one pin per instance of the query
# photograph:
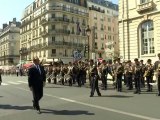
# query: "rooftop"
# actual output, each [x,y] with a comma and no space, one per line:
[105,3]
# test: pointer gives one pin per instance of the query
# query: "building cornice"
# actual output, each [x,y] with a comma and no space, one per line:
[138,17]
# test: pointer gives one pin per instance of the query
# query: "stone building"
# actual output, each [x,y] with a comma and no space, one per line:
[9,43]
[139,29]
[54,29]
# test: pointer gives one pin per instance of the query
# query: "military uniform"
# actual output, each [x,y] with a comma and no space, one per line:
[119,74]
[128,74]
[137,73]
[156,67]
[149,76]
[142,75]
[93,73]
[104,70]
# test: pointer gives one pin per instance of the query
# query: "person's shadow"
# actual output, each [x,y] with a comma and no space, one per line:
[66,112]
[15,107]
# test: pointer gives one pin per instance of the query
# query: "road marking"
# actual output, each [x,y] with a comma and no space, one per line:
[98,107]
[23,82]
[68,100]
[13,83]
[4,84]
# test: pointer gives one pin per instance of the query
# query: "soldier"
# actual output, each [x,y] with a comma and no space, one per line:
[149,75]
[142,73]
[55,73]
[104,70]
[129,73]
[156,67]
[137,73]
[119,74]
[70,68]
[80,77]
[75,71]
[113,70]
[93,73]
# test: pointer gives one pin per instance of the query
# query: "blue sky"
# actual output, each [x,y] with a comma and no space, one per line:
[10,9]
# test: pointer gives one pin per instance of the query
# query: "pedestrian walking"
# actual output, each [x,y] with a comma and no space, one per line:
[17,71]
[36,81]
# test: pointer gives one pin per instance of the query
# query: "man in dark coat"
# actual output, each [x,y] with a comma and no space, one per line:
[36,81]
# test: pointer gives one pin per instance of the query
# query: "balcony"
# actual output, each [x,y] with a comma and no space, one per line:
[145,7]
[65,9]
[53,55]
[43,21]
[59,19]
[43,33]
[24,50]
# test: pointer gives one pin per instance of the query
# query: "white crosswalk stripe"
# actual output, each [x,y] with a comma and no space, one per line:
[5,84]
[13,83]
[23,82]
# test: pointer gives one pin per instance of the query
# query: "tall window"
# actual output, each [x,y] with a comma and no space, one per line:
[144,1]
[147,35]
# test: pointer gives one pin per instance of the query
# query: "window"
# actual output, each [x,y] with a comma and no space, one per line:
[53,27]
[144,1]
[53,51]
[53,39]
[53,15]
[95,16]
[147,38]
[109,19]
[109,28]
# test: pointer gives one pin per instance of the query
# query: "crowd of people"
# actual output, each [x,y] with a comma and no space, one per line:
[135,74]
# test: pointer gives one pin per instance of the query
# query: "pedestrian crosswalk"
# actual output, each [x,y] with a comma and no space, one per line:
[13,83]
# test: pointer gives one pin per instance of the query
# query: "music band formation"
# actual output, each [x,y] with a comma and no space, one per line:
[135,75]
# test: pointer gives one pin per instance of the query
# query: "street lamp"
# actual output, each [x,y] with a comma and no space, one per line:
[20,52]
[88,31]
[4,58]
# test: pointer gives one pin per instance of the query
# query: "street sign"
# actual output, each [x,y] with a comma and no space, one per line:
[77,55]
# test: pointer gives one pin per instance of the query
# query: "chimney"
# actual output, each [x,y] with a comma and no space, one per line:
[14,20]
[5,25]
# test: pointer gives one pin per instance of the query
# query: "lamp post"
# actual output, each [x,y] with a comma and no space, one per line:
[20,52]
[4,58]
[88,31]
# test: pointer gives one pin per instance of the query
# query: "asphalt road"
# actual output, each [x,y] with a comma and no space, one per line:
[73,103]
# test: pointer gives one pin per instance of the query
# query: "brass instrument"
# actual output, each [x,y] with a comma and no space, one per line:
[147,72]
[120,69]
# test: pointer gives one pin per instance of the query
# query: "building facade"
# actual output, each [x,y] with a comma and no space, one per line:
[103,22]
[9,43]
[139,29]
[54,29]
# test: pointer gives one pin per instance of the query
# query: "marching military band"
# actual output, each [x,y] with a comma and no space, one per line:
[135,75]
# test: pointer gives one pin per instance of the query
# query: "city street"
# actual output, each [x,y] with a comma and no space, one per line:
[73,103]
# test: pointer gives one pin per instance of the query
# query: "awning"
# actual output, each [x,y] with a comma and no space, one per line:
[28,65]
